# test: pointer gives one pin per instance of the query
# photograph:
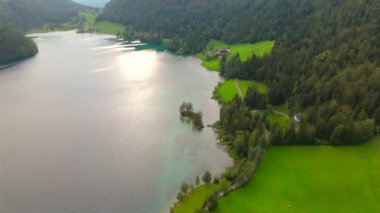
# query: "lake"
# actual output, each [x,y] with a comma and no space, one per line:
[93,3]
[91,125]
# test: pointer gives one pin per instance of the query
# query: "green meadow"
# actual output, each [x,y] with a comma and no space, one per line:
[281,108]
[105,27]
[281,120]
[227,90]
[195,199]
[85,21]
[245,51]
[312,179]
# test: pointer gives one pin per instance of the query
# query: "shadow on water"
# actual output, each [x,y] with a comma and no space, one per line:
[4,66]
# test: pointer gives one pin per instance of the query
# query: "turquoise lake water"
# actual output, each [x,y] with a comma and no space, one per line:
[90,125]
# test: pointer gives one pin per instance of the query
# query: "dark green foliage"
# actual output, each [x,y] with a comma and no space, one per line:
[197,181]
[216,180]
[190,24]
[376,115]
[232,67]
[197,120]
[180,196]
[29,14]
[255,99]
[212,202]
[184,188]
[206,178]
[14,45]
[186,110]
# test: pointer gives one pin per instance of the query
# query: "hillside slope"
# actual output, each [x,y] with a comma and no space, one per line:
[33,13]
[14,45]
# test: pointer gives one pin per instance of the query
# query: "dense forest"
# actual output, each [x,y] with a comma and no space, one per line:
[327,66]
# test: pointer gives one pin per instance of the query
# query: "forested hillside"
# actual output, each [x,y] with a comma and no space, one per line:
[33,13]
[13,44]
[325,63]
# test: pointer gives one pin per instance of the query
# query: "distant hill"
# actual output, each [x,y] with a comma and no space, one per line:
[29,14]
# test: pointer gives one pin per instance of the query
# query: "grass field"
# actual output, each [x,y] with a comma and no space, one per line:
[107,27]
[282,108]
[213,65]
[101,26]
[245,51]
[89,17]
[245,84]
[312,179]
[195,199]
[227,90]
[89,22]
[281,120]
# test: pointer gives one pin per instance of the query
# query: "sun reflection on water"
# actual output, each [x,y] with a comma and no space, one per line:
[138,66]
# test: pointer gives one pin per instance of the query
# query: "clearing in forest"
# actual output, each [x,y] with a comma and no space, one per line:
[227,90]
[245,51]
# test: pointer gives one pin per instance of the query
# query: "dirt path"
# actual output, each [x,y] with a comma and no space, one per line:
[281,113]
[274,111]
[238,88]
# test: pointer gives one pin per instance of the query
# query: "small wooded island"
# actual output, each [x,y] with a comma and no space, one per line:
[186,110]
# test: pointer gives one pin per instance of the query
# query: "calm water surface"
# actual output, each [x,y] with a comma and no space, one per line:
[93,3]
[88,126]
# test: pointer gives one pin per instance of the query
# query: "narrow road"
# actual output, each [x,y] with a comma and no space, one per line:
[281,113]
[239,91]
[274,111]
[266,135]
